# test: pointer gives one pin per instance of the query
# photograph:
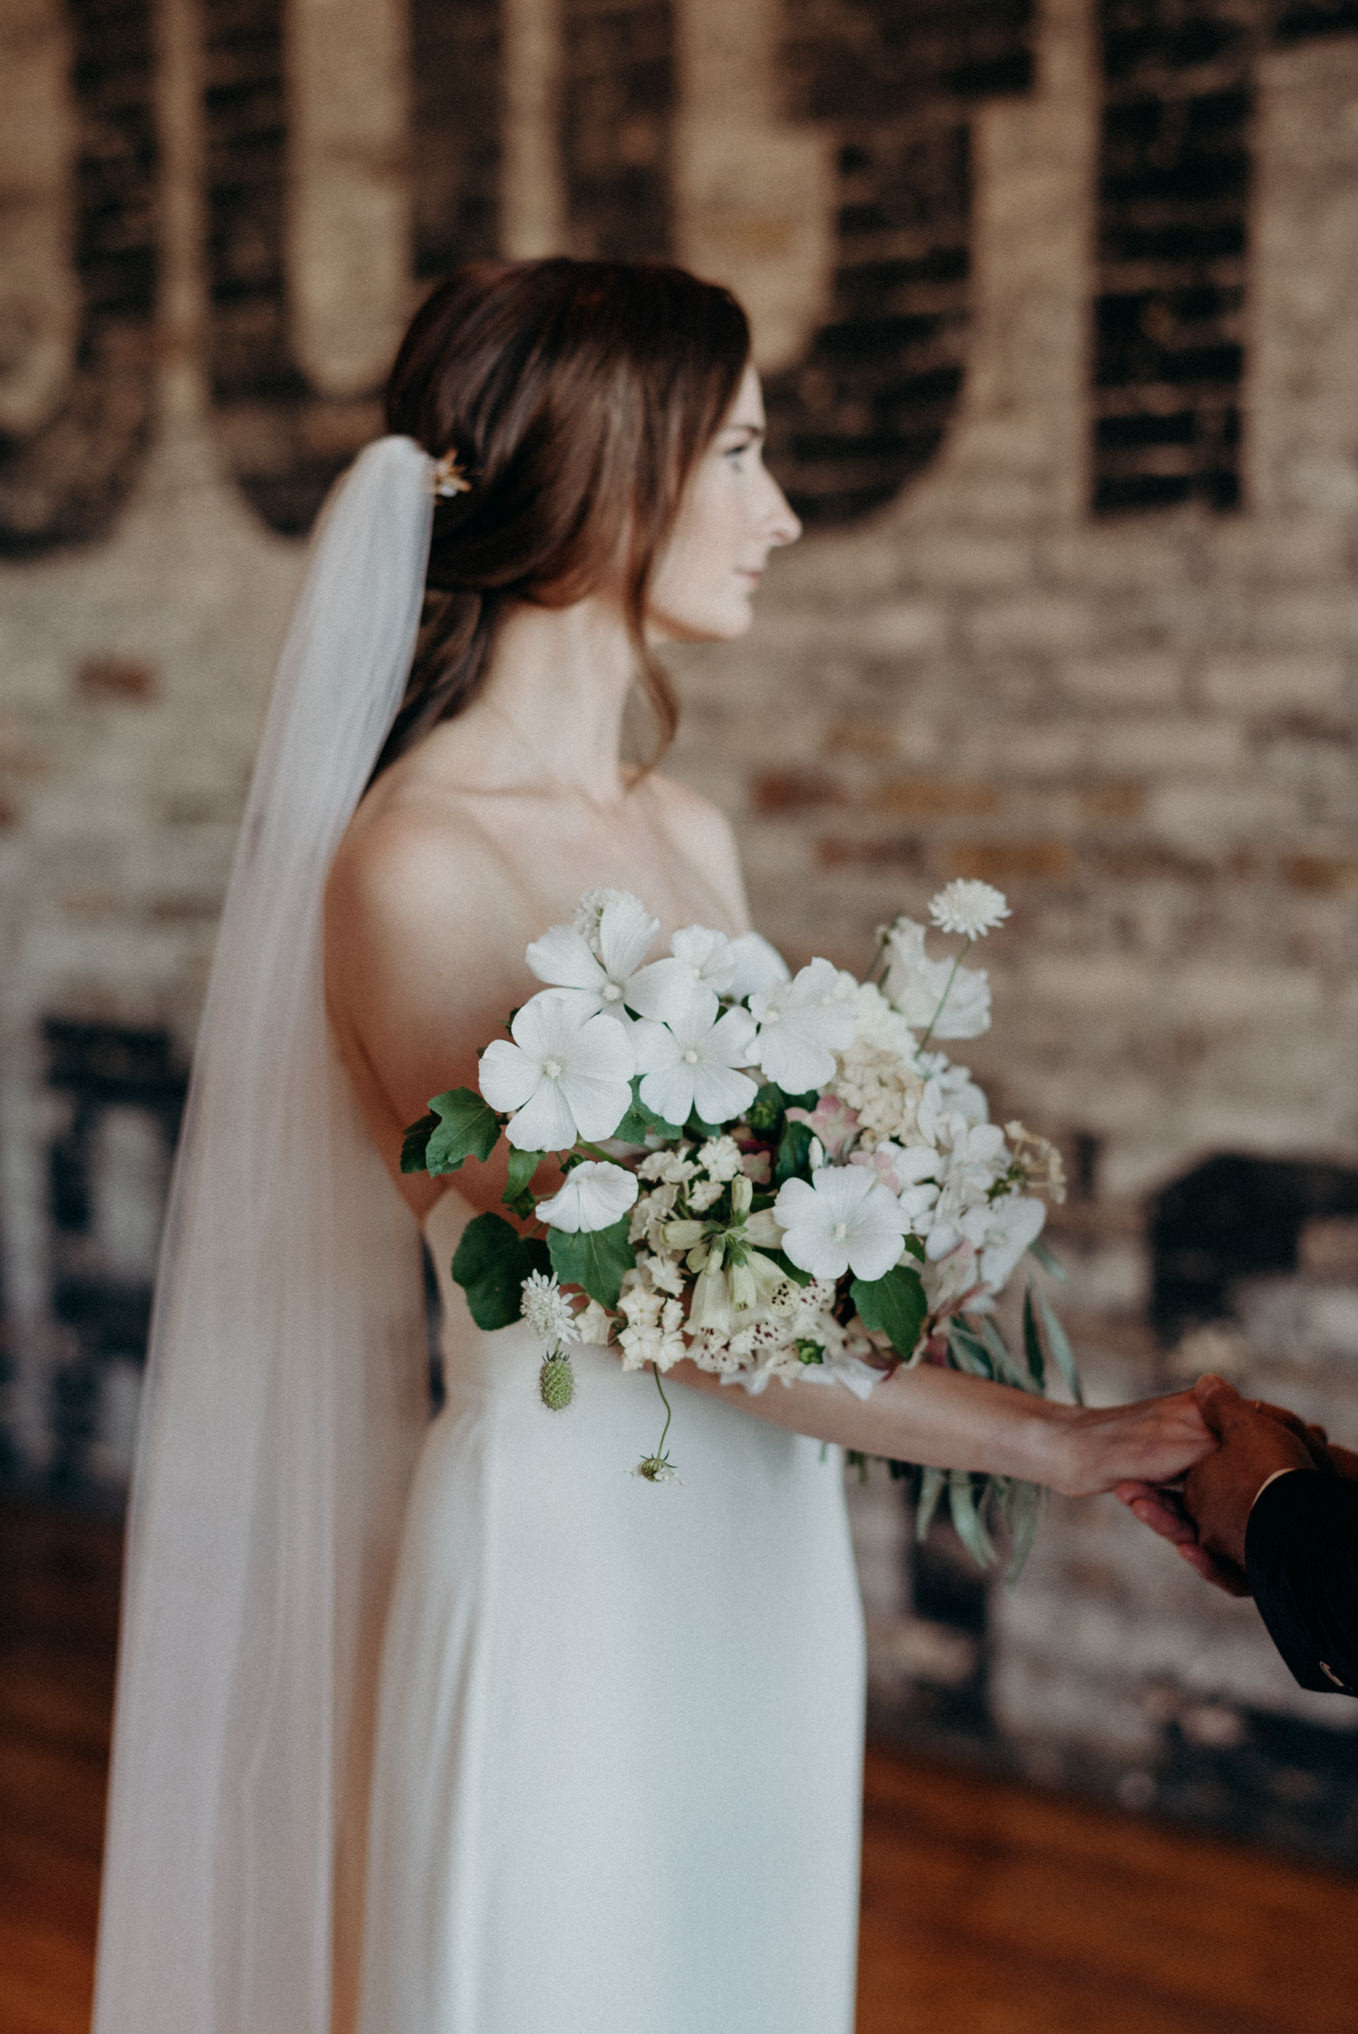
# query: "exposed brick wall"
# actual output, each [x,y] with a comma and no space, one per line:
[869,406]
[64,484]
[618,106]
[455,132]
[283,444]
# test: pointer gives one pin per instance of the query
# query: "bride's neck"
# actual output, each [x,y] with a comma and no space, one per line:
[551,709]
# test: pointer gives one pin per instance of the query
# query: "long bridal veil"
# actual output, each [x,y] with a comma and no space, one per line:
[284,1391]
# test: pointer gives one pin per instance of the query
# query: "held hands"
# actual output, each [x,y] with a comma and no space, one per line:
[1206,1524]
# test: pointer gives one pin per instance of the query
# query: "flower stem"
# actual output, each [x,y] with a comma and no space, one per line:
[946,993]
[669,1414]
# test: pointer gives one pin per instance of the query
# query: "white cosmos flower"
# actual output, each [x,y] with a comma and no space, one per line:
[802,1025]
[594,1196]
[917,986]
[597,980]
[756,966]
[845,1220]
[691,1062]
[567,1074]
[971,908]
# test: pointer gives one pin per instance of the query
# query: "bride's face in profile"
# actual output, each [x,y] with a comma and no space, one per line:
[733,513]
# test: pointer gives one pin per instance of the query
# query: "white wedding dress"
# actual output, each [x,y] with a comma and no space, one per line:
[617,1777]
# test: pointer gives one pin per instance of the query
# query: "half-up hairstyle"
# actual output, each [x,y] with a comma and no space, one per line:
[577,397]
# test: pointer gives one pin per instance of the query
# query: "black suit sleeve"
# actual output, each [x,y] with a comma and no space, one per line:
[1301,1557]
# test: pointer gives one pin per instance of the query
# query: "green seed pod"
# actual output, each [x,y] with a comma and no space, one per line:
[556,1382]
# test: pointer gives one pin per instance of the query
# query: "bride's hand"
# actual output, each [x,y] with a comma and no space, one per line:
[1153,1441]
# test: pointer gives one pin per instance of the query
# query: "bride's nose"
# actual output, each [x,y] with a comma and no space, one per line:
[782,523]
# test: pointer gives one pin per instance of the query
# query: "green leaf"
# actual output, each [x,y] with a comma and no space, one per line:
[930,1490]
[1005,1367]
[595,1259]
[1032,1343]
[522,1166]
[491,1264]
[1059,1345]
[967,1520]
[1050,1263]
[895,1305]
[968,1352]
[794,1153]
[640,1120]
[416,1142]
[468,1128]
[765,1111]
[915,1248]
[1021,1506]
[791,1271]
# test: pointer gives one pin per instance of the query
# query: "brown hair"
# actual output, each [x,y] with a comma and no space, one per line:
[576,396]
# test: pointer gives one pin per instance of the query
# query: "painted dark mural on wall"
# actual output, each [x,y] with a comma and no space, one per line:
[896,82]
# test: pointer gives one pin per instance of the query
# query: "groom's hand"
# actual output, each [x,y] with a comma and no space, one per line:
[1220,1490]
[1217,1494]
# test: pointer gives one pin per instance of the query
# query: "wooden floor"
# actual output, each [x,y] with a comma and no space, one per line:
[987,1909]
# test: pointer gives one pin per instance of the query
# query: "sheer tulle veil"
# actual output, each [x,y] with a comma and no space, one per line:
[284,1393]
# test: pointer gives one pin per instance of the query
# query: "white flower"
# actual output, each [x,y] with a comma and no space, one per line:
[699,959]
[594,1196]
[845,1220]
[802,1025]
[690,1063]
[918,985]
[547,1311]
[674,1167]
[599,974]
[756,966]
[567,1074]
[593,1323]
[878,1025]
[950,1090]
[1014,1223]
[590,909]
[720,1158]
[701,1195]
[972,909]
[653,1335]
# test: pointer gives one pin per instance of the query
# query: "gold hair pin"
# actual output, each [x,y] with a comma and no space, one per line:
[449,477]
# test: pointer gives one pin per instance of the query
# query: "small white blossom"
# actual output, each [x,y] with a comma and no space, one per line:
[720,1158]
[701,1195]
[566,1074]
[594,1323]
[672,1166]
[590,909]
[691,1063]
[929,994]
[601,976]
[656,1337]
[802,1025]
[593,1196]
[969,908]
[845,1220]
[547,1310]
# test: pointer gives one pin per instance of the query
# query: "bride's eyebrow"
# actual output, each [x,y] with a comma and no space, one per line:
[754,432]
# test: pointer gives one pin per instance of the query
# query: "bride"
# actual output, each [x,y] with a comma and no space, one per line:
[454,1728]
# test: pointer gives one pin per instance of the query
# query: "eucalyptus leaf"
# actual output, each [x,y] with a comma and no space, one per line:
[491,1264]
[1032,1343]
[931,1484]
[967,1520]
[894,1305]
[969,1352]
[416,1143]
[1022,1506]
[468,1128]
[594,1259]
[1005,1367]
[1049,1261]
[1059,1345]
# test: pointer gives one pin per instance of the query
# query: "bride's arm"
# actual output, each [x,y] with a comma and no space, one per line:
[935,1416]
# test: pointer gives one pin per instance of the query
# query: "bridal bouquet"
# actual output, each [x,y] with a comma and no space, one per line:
[773,1175]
